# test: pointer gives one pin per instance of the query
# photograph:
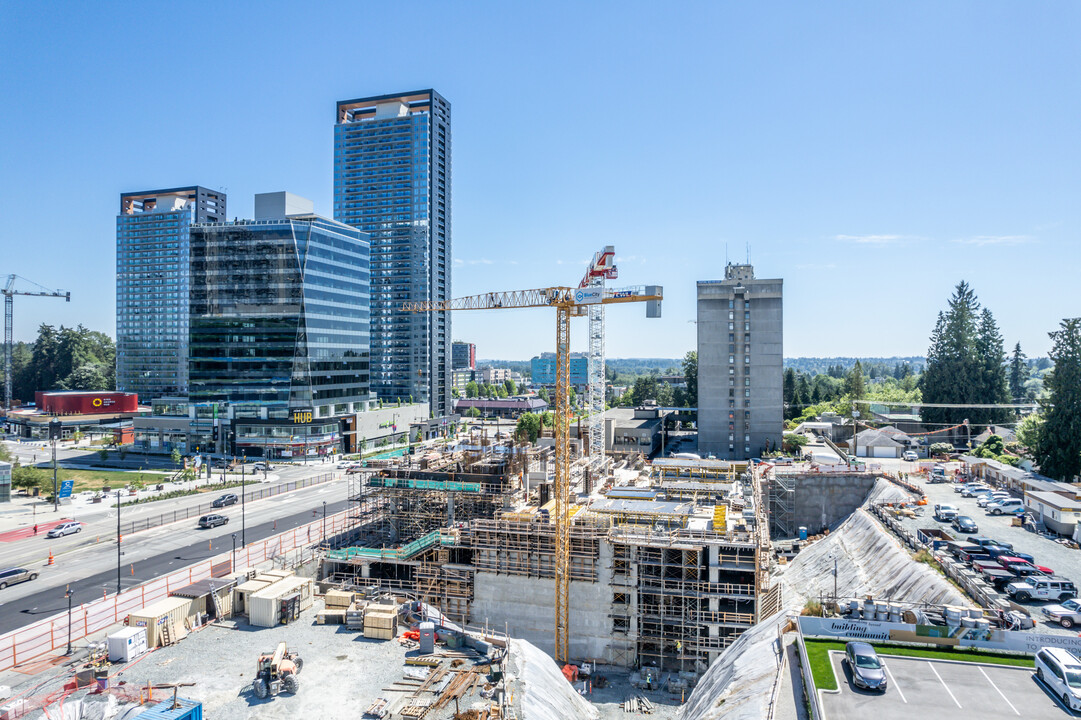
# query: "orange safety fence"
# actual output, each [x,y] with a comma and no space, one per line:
[31,642]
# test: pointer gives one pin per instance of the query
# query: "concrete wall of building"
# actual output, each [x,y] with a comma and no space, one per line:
[526,607]
[822,499]
[373,425]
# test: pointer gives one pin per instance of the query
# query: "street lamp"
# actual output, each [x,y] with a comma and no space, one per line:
[118,539]
[233,565]
[68,593]
[243,504]
[834,558]
[324,523]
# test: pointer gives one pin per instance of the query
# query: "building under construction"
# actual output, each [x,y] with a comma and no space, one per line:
[667,564]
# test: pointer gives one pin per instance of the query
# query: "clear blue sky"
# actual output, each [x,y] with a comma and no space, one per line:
[870,153]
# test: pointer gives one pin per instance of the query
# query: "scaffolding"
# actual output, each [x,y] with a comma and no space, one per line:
[782,502]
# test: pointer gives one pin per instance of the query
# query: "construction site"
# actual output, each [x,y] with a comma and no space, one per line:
[667,562]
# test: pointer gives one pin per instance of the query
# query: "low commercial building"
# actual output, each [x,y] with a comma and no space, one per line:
[93,414]
[1059,514]
[1015,478]
[5,481]
[633,430]
[506,407]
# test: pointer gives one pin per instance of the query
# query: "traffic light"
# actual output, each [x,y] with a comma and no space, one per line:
[55,429]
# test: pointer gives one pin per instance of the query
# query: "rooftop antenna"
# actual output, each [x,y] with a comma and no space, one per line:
[748,253]
[726,253]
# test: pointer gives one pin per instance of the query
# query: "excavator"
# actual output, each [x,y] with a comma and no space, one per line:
[277,672]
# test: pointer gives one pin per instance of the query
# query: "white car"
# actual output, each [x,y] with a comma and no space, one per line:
[910,455]
[1005,506]
[945,512]
[1067,614]
[974,489]
[989,498]
[68,528]
[1060,672]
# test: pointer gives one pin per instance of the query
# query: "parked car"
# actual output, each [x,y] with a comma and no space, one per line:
[867,670]
[972,490]
[965,524]
[992,497]
[910,456]
[1060,672]
[1021,568]
[989,542]
[1003,507]
[1067,614]
[783,461]
[228,499]
[1042,588]
[12,576]
[209,521]
[945,512]
[998,579]
[997,551]
[67,528]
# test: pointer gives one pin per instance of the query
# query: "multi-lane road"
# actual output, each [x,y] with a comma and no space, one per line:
[87,561]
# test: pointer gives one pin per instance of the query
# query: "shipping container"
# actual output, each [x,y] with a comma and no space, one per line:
[172,613]
[242,592]
[185,709]
[264,606]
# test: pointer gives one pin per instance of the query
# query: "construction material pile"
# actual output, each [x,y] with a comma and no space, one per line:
[543,691]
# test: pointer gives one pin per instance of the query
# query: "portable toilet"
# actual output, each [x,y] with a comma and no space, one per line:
[802,532]
[427,638]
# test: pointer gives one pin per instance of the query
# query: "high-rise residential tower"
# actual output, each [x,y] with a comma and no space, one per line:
[464,355]
[279,325]
[152,284]
[740,365]
[392,179]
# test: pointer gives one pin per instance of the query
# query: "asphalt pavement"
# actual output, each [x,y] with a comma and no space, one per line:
[924,688]
[46,596]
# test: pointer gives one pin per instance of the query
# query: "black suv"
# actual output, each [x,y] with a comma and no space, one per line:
[209,521]
[224,500]
[11,576]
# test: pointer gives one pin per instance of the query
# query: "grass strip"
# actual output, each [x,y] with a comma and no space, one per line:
[824,678]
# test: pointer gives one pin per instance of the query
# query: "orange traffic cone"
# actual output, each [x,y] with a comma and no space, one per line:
[51,561]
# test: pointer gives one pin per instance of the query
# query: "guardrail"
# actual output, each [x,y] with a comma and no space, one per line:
[203,508]
[809,689]
[33,641]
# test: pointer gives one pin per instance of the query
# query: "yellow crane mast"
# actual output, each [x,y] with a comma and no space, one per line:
[568,302]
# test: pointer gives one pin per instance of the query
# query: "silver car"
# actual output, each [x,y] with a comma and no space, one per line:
[868,672]
[11,576]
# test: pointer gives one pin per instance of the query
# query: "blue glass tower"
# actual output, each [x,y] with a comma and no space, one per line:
[152,284]
[392,179]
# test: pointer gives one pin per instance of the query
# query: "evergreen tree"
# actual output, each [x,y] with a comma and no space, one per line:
[1018,373]
[953,373]
[854,385]
[1058,446]
[993,387]
[803,394]
[788,393]
[690,374]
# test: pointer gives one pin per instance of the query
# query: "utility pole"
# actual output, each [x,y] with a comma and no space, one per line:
[118,539]
[243,503]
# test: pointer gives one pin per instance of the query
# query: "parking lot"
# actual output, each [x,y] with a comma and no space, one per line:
[1064,561]
[920,688]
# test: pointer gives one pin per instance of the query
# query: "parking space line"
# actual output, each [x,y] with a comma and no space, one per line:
[1001,694]
[932,664]
[895,685]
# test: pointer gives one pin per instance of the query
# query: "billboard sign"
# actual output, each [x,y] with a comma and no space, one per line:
[984,639]
[588,295]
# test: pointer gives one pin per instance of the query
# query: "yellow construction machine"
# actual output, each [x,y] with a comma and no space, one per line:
[277,672]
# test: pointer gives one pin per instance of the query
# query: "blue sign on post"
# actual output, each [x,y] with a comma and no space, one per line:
[66,487]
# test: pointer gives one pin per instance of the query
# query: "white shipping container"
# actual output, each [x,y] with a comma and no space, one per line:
[173,611]
[127,644]
[264,607]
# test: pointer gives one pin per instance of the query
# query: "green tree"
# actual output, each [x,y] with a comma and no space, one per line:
[665,395]
[471,389]
[956,373]
[993,385]
[543,394]
[1028,431]
[176,457]
[474,413]
[455,393]
[512,389]
[1058,450]
[501,391]
[690,375]
[1018,373]
[528,428]
[788,393]
[854,385]
[940,448]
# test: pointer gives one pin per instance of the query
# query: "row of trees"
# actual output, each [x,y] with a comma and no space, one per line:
[495,390]
[802,391]
[647,387]
[65,359]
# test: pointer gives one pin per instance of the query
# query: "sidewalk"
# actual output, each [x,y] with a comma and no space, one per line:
[790,705]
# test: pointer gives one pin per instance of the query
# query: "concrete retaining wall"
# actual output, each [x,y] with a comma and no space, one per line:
[823,499]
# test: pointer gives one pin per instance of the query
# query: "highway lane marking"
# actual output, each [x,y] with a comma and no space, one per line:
[895,685]
[945,685]
[1001,694]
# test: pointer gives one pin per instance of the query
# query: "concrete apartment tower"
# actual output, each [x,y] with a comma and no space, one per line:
[740,365]
[392,180]
[152,285]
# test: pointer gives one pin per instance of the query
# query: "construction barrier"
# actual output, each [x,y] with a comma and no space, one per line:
[33,641]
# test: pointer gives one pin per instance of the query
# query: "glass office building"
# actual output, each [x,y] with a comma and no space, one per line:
[280,325]
[392,179]
[152,284]
[542,369]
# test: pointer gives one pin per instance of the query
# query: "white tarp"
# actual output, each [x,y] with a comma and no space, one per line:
[545,694]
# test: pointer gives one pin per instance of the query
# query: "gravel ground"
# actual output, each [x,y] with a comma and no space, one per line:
[1064,561]
[619,689]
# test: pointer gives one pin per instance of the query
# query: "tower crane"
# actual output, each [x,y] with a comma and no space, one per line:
[602,268]
[9,293]
[568,302]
